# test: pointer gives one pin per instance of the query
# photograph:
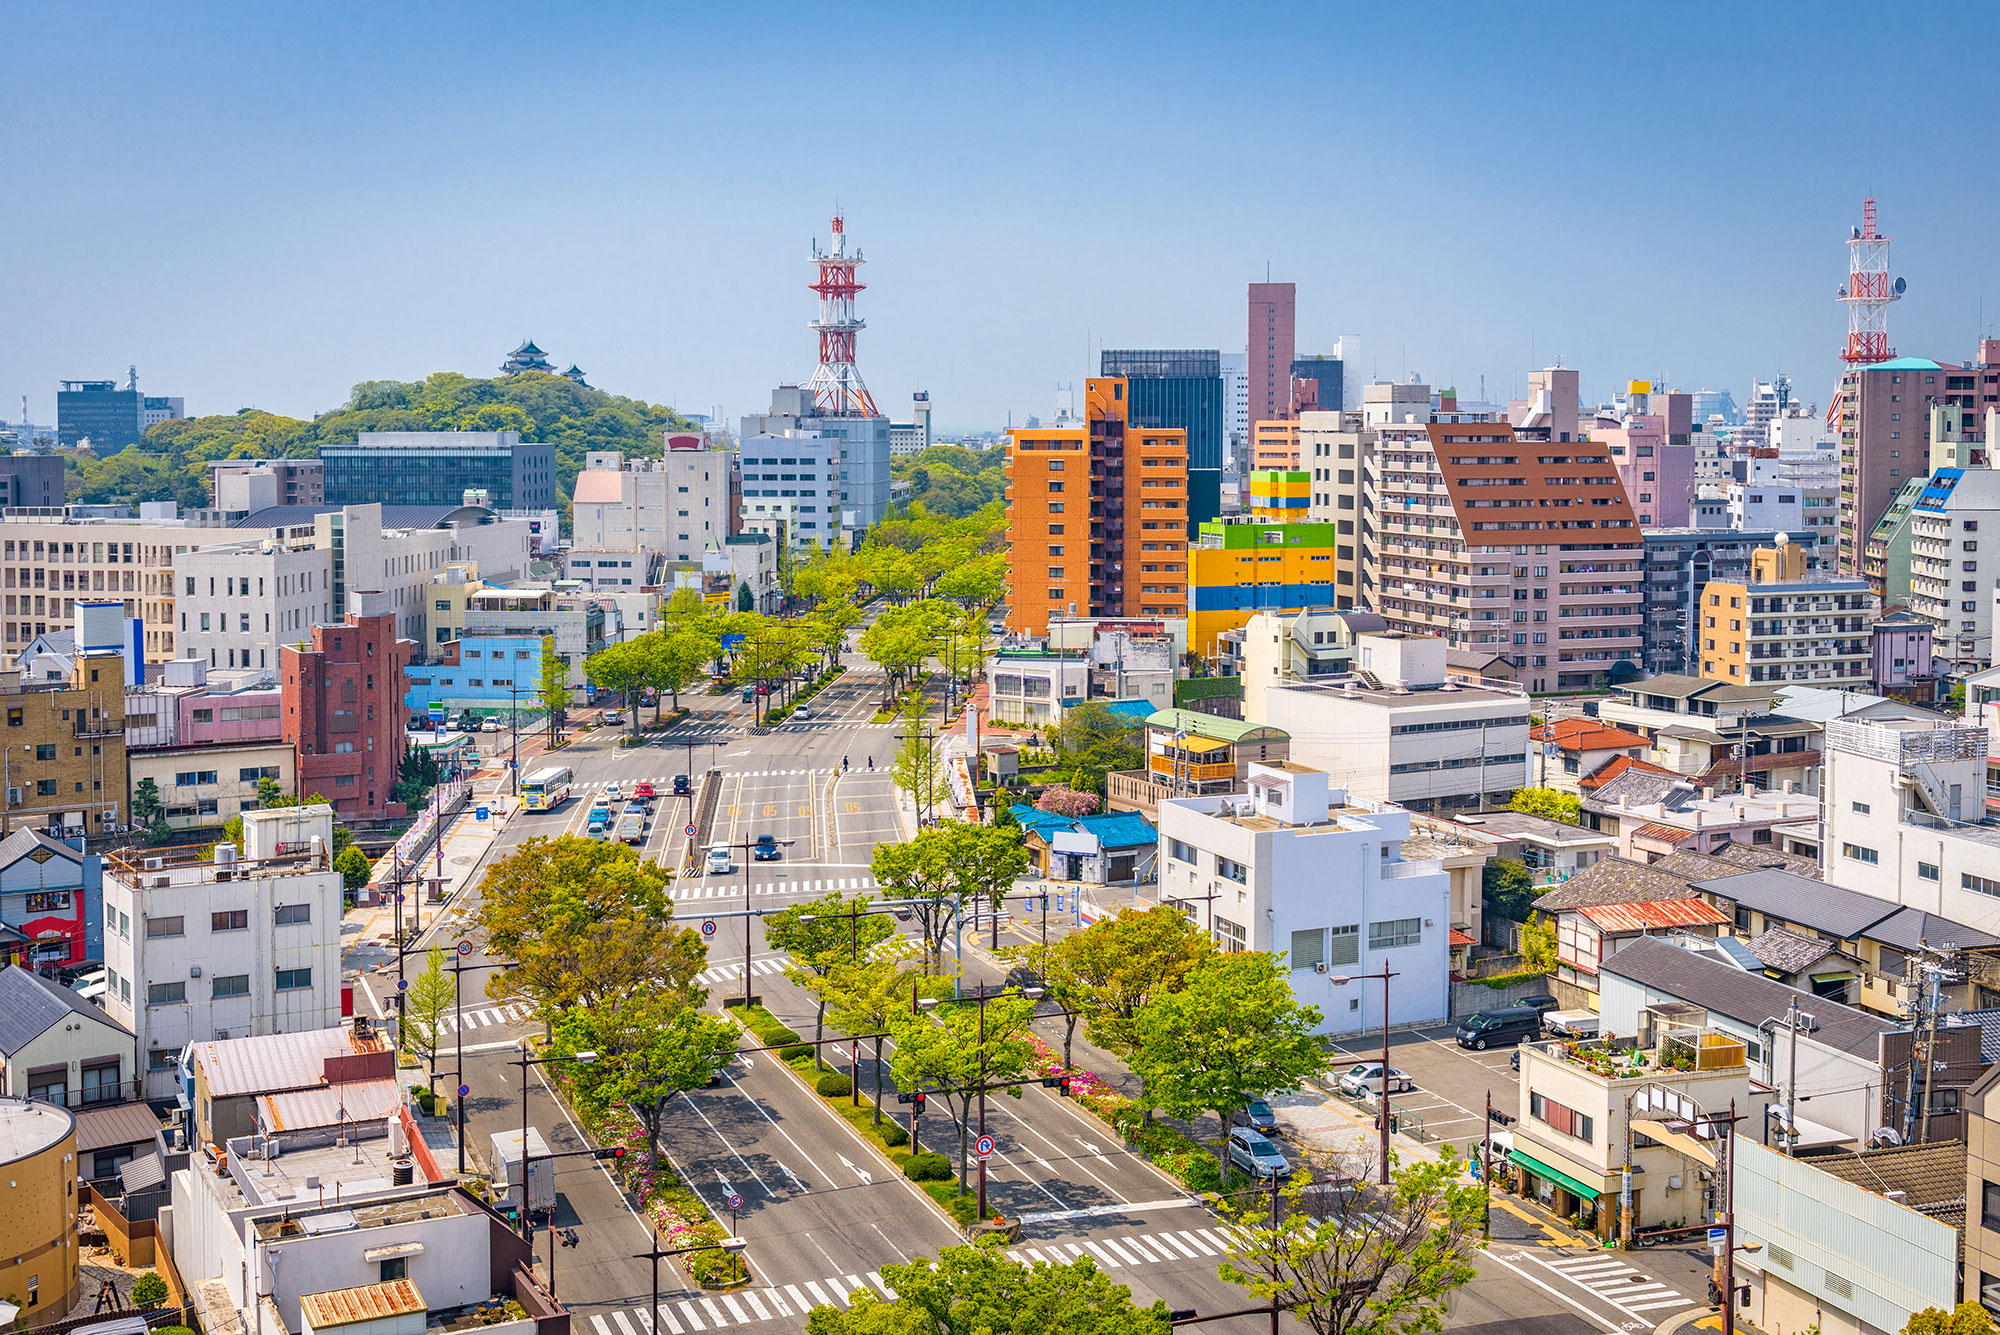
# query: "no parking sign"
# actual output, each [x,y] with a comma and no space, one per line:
[708,927]
[982,1148]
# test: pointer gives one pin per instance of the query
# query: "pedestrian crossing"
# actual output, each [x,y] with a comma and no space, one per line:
[719,1311]
[663,784]
[1136,1249]
[732,888]
[729,973]
[1621,1285]
[489,1016]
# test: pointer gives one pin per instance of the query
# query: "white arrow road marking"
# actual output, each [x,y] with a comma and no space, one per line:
[1088,1147]
[865,1177]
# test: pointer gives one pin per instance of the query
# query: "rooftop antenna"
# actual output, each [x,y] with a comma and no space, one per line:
[132,381]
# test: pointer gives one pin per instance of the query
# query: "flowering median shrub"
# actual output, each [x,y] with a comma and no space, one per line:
[1175,1152]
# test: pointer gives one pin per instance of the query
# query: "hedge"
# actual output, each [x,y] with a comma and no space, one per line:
[834,1085]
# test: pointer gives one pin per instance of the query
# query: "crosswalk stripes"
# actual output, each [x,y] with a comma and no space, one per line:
[1131,1250]
[744,1307]
[730,972]
[490,1015]
[1617,1283]
[733,889]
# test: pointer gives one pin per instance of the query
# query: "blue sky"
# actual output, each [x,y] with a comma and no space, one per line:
[264,204]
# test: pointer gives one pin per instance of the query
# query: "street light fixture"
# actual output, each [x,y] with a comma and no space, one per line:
[747,845]
[524,1061]
[1341,980]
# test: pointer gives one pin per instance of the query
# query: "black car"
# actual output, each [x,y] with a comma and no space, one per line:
[1020,976]
[1543,1003]
[767,848]
[680,785]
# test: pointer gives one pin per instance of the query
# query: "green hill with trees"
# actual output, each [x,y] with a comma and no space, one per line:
[169,464]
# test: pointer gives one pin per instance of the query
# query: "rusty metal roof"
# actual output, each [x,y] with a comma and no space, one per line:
[368,1302]
[330,1105]
[272,1063]
[1664,833]
[1653,913]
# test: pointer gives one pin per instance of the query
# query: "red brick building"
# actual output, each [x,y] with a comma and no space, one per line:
[344,710]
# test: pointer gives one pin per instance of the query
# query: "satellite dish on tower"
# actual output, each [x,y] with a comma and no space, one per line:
[1902,285]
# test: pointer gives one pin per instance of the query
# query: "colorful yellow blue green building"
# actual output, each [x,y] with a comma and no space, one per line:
[1238,570]
[1279,496]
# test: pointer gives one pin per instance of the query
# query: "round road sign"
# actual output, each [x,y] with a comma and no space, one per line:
[464,1090]
[708,927]
[402,984]
[983,1147]
[465,947]
[735,1201]
[690,830]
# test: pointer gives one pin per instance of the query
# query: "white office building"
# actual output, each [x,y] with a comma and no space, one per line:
[1301,866]
[852,471]
[243,943]
[677,505]
[1236,408]
[792,490]
[1953,575]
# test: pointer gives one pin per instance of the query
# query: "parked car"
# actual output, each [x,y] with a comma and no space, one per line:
[767,849]
[1259,1115]
[1496,1028]
[1256,1155]
[1543,1002]
[802,712]
[1363,1077]
[681,785]
[1022,976]
[642,791]
[1571,1024]
[493,725]
[718,861]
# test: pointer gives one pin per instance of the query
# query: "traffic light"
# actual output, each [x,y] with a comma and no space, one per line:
[1063,1088]
[917,1103]
[1051,1081]
[609,1152]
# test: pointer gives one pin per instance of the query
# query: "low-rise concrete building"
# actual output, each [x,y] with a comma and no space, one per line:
[1299,865]
[58,1048]
[38,1227]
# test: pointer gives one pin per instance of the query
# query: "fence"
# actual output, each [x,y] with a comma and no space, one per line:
[446,801]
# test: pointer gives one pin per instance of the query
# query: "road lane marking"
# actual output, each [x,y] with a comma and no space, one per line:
[1113,1246]
[624,1326]
[1558,1295]
[736,1309]
[820,1298]
[803,1304]
[694,1317]
[1197,1243]
[1110,1261]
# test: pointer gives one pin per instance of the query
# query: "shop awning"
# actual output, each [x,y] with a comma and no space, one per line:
[1556,1175]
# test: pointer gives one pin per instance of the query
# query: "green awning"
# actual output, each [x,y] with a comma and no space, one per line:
[1540,1169]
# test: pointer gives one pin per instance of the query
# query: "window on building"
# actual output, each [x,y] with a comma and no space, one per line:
[165,994]
[229,920]
[1560,1118]
[230,985]
[1980,885]
[1308,948]
[159,927]
[1857,853]
[1177,850]
[1927,871]
[1234,871]
[294,913]
[1860,808]
[294,980]
[1395,932]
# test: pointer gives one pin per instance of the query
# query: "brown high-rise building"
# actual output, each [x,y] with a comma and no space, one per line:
[344,709]
[1096,517]
[1273,341]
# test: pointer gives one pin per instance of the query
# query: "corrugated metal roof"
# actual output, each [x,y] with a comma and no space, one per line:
[330,1105]
[1669,834]
[368,1302]
[1651,913]
[271,1063]
[123,1124]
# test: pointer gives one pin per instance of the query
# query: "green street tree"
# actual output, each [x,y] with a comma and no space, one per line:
[945,867]
[942,1053]
[352,864]
[426,1003]
[818,935]
[978,1291]
[1355,1259]
[146,805]
[745,600]
[1968,1318]
[1548,803]
[650,1046]
[553,688]
[917,768]
[1538,942]
[623,668]
[1091,741]
[1231,1033]
[899,640]
[586,922]
[1508,888]
[861,996]
[1118,964]
[677,662]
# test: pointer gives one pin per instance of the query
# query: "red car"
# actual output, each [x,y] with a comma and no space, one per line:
[642,792]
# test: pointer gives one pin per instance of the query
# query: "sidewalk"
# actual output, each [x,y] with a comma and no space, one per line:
[368,931]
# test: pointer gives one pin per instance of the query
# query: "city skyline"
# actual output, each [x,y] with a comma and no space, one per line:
[262,209]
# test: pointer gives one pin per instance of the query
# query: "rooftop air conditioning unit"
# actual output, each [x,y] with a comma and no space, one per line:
[154,864]
[1320,967]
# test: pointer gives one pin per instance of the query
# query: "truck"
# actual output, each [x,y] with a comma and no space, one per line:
[1571,1024]
[632,824]
[507,1166]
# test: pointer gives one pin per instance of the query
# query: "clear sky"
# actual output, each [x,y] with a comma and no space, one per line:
[262,204]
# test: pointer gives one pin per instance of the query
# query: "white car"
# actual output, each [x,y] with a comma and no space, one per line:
[613,793]
[718,861]
[1366,1077]
[802,712]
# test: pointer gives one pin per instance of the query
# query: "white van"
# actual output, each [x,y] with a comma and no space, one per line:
[718,861]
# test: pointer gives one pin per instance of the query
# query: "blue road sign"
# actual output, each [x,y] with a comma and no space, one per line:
[464,1090]
[735,1201]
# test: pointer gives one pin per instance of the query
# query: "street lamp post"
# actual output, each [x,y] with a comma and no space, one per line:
[524,1062]
[747,846]
[458,967]
[1386,974]
[931,1003]
[655,1255]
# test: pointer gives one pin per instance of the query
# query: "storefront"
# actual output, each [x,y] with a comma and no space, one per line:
[1560,1193]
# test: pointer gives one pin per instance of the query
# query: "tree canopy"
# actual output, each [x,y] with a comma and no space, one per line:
[951,480]
[1548,803]
[978,1291]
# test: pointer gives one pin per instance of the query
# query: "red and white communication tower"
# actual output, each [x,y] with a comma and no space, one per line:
[836,386]
[1868,293]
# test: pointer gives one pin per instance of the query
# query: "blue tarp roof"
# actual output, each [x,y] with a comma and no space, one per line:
[1117,829]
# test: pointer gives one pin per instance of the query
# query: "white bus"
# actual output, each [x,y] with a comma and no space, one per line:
[546,789]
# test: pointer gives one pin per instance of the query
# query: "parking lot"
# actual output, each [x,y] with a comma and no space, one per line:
[1452,1082]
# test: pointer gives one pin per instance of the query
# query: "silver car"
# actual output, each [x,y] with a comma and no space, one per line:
[1366,1077]
[1259,1115]
[1250,1151]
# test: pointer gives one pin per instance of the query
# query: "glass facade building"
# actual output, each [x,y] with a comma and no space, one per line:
[1330,373]
[99,411]
[438,468]
[1179,388]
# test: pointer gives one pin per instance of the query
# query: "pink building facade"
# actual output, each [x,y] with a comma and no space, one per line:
[239,716]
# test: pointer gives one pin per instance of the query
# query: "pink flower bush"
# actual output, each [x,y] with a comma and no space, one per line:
[1063,800]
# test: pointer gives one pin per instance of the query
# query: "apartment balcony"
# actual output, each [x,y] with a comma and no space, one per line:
[1199,772]
[1402,869]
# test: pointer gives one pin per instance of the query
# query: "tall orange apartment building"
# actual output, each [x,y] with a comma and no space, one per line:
[1096,517]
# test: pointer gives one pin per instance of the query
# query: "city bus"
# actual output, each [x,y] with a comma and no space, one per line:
[546,789]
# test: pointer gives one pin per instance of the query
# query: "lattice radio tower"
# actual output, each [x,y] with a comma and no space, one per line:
[1868,293]
[836,385]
